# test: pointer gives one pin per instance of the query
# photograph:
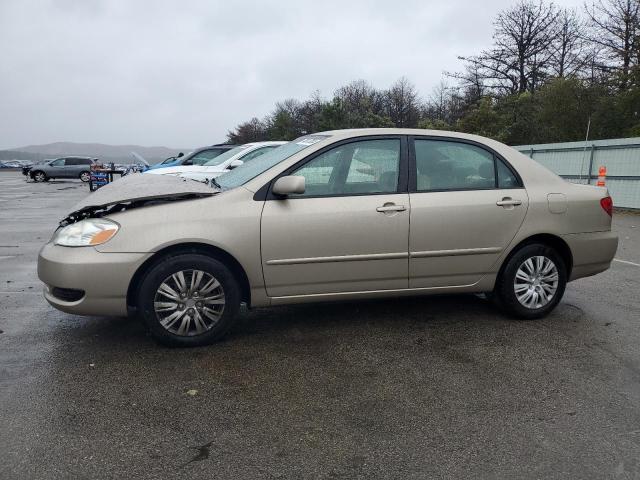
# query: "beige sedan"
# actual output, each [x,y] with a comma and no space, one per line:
[338,215]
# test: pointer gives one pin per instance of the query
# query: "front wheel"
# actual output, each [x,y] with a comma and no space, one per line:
[532,282]
[85,177]
[188,300]
[39,176]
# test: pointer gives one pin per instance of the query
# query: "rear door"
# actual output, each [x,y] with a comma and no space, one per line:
[72,167]
[348,232]
[467,204]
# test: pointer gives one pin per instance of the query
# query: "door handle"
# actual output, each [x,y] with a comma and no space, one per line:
[508,202]
[391,207]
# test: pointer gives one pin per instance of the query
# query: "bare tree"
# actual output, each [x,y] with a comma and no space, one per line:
[402,103]
[360,98]
[615,26]
[308,113]
[523,48]
[569,53]
[439,102]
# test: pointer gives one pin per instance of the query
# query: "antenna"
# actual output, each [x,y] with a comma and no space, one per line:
[584,151]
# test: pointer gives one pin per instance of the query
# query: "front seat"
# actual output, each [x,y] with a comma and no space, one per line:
[388,182]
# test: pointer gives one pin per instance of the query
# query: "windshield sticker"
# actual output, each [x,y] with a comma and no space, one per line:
[309,141]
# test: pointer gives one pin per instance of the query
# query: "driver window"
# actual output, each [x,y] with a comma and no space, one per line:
[203,157]
[365,167]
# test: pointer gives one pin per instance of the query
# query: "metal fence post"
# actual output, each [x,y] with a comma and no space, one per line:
[593,148]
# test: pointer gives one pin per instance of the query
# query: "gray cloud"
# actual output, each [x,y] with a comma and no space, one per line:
[181,73]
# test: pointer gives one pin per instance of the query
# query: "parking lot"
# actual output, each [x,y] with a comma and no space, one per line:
[431,387]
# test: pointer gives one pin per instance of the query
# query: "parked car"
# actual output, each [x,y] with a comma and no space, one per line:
[22,164]
[198,157]
[28,166]
[63,167]
[338,215]
[221,163]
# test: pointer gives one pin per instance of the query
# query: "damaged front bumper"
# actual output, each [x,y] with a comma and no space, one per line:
[84,281]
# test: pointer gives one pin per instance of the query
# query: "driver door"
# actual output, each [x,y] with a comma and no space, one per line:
[349,231]
[56,168]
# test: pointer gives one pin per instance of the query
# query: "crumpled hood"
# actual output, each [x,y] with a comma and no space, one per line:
[138,187]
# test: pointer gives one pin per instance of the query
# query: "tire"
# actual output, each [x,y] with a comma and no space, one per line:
[39,176]
[542,278]
[194,320]
[85,176]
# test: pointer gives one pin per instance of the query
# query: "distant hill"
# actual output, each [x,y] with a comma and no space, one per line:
[107,153]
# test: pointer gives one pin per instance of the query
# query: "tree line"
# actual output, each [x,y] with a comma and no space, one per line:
[550,75]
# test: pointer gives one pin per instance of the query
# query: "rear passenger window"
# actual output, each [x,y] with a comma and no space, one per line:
[445,165]
[506,178]
[71,161]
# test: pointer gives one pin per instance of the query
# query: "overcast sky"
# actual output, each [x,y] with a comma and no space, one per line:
[182,73]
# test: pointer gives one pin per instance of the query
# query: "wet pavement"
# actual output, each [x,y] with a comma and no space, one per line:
[435,387]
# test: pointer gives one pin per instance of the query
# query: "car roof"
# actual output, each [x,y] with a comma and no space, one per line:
[356,132]
[335,135]
[263,144]
[217,145]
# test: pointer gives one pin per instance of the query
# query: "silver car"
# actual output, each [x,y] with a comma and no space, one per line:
[64,167]
[338,215]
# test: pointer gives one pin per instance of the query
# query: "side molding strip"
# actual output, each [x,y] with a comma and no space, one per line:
[451,253]
[338,258]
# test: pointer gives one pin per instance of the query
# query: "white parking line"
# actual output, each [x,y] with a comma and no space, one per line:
[627,262]
[4,257]
[37,292]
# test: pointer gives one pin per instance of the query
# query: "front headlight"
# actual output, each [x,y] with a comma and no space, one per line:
[93,231]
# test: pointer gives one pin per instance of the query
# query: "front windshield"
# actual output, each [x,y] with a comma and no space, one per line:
[225,156]
[250,170]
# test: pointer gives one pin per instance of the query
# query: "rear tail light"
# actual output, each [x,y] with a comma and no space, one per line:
[607,205]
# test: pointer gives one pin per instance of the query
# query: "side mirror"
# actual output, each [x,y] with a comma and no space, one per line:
[289,185]
[180,155]
[235,163]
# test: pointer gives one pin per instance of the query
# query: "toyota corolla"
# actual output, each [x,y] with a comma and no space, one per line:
[347,214]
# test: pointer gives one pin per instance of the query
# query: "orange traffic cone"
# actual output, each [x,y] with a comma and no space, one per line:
[602,175]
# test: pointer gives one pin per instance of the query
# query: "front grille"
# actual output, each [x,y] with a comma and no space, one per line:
[67,294]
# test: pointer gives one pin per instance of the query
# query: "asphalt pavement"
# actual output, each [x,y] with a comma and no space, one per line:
[431,387]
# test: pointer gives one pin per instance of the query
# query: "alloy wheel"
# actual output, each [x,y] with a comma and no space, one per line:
[189,302]
[536,282]
[85,176]
[39,177]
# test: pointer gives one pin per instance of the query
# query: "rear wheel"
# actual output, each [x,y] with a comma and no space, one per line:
[532,282]
[39,176]
[85,176]
[188,300]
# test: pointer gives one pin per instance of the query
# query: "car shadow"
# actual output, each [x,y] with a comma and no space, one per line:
[406,317]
